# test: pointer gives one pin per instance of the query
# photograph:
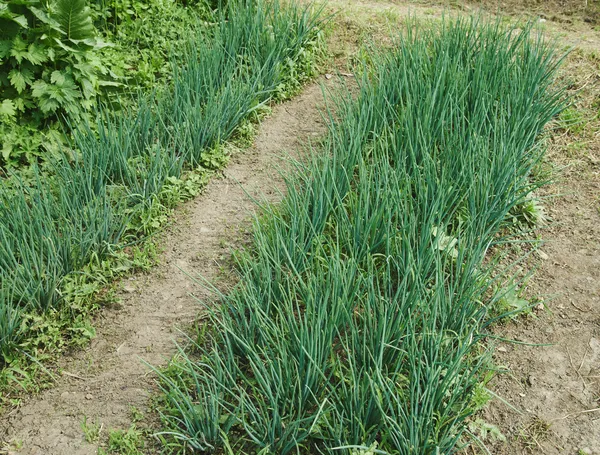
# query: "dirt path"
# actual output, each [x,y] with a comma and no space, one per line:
[556,388]
[108,377]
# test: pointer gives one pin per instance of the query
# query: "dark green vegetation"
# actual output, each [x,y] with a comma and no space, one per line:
[364,300]
[63,226]
[60,58]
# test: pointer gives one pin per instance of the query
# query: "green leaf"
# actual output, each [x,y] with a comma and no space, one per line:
[6,13]
[18,49]
[19,79]
[36,54]
[7,108]
[57,78]
[43,17]
[88,88]
[75,19]
[21,20]
[5,46]
[39,88]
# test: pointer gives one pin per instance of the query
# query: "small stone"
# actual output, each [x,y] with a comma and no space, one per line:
[328,76]
[89,396]
[542,255]
[129,289]
[530,380]
[522,395]
[502,349]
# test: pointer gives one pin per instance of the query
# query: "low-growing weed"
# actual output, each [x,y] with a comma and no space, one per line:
[91,431]
[572,120]
[124,442]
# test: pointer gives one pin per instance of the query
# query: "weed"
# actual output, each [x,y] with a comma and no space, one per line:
[534,433]
[124,442]
[528,213]
[136,414]
[91,431]
[485,431]
[572,120]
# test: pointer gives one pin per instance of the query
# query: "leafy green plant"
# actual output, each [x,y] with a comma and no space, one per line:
[486,431]
[91,431]
[49,67]
[148,36]
[124,442]
[528,213]
[572,120]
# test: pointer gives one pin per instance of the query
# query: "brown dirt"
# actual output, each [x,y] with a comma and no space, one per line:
[555,389]
[103,381]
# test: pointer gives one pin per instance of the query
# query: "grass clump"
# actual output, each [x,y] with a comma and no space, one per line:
[124,170]
[357,322]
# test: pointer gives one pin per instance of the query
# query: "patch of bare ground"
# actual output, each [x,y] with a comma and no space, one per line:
[102,382]
[556,388]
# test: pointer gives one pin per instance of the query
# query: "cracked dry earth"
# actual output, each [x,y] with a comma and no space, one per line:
[103,381]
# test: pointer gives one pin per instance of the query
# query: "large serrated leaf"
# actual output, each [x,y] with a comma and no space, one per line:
[7,108]
[36,54]
[75,19]
[57,78]
[43,17]
[17,80]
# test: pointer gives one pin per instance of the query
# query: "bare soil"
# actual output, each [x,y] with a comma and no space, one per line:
[552,391]
[103,381]
[556,388]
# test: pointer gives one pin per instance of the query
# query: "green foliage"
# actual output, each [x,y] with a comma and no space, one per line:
[572,120]
[528,213]
[124,442]
[91,431]
[147,35]
[55,61]
[362,301]
[49,67]
[62,234]
[512,303]
[31,334]
[485,431]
